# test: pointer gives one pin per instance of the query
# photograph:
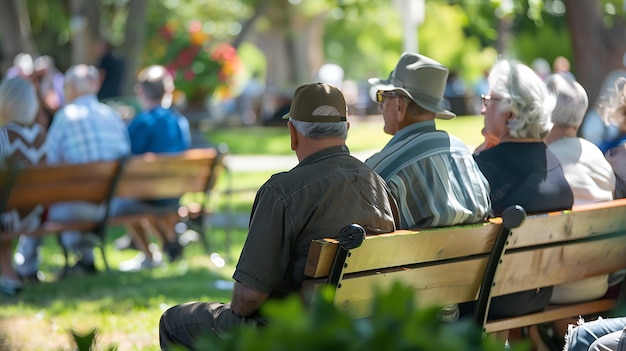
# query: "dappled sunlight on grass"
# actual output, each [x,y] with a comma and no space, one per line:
[124,307]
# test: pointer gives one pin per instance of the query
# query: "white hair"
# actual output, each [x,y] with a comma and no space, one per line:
[525,95]
[18,101]
[315,130]
[84,79]
[571,100]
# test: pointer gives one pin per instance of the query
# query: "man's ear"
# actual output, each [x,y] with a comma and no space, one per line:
[293,133]
[402,105]
[511,115]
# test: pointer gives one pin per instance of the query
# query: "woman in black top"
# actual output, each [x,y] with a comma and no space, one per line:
[520,168]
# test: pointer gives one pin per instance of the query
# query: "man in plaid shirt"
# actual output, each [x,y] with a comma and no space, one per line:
[84,130]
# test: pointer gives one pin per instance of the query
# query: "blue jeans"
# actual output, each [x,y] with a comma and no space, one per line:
[581,337]
[615,341]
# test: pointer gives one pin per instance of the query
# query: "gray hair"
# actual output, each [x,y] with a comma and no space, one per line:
[571,100]
[525,95]
[315,130]
[155,82]
[613,106]
[18,101]
[84,79]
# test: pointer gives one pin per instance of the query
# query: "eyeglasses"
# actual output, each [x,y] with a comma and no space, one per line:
[486,98]
[382,94]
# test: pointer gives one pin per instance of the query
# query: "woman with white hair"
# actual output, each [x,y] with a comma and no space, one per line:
[614,113]
[587,171]
[21,141]
[520,168]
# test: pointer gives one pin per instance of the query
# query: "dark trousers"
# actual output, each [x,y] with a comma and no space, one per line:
[512,305]
[184,324]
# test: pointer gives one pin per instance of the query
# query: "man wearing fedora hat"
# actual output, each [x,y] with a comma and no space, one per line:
[326,191]
[431,174]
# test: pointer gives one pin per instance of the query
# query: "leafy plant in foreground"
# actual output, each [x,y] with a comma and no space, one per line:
[396,324]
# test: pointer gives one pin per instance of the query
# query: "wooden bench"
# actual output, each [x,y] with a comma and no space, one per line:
[50,184]
[141,177]
[152,177]
[477,262]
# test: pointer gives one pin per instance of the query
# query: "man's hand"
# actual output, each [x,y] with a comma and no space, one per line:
[246,300]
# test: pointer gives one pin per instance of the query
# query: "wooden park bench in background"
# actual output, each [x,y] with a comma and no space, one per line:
[477,262]
[46,185]
[142,177]
[153,177]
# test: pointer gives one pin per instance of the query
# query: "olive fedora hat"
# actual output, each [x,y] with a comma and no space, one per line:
[421,79]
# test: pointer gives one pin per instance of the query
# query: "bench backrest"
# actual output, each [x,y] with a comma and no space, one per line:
[153,176]
[451,265]
[442,265]
[50,184]
[564,246]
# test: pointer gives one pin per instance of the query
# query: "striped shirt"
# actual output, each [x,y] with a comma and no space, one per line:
[24,145]
[86,131]
[433,178]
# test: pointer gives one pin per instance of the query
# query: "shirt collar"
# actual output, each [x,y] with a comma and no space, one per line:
[324,154]
[412,129]
[83,99]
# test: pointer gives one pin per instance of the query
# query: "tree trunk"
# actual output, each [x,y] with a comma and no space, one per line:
[135,33]
[15,31]
[308,49]
[84,27]
[598,50]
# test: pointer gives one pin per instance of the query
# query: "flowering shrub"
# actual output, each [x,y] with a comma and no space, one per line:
[201,67]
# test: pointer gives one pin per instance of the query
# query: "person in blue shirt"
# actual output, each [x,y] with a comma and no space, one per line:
[158,128]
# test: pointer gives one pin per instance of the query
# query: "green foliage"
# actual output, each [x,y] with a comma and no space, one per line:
[458,51]
[373,30]
[396,324]
[555,43]
[87,342]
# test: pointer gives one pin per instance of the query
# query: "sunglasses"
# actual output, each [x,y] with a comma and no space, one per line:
[382,94]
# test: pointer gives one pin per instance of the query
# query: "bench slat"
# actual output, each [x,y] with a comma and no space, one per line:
[150,177]
[404,247]
[521,271]
[50,184]
[561,226]
[551,313]
[439,284]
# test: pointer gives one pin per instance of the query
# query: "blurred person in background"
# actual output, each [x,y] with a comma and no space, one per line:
[21,141]
[589,175]
[111,68]
[50,84]
[158,128]
[24,65]
[614,113]
[83,131]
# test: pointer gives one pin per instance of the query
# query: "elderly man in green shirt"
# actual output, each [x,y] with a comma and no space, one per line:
[326,191]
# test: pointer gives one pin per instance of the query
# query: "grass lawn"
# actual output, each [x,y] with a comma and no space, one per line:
[125,307]
[365,134]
